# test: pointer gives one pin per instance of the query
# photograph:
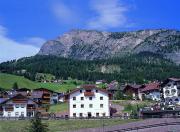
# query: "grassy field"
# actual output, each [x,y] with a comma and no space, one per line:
[62,107]
[60,125]
[7,81]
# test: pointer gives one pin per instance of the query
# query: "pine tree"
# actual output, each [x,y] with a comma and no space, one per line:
[15,86]
[37,125]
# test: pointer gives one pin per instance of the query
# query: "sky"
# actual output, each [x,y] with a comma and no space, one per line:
[26,24]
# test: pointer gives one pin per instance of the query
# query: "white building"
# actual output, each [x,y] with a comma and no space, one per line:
[170,90]
[17,106]
[89,101]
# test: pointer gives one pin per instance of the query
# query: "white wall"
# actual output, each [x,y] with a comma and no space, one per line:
[13,113]
[170,88]
[95,101]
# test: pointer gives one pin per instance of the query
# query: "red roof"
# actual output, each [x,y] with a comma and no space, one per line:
[150,87]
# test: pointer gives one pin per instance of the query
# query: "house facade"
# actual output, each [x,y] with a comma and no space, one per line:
[151,91]
[170,91]
[133,91]
[89,101]
[17,106]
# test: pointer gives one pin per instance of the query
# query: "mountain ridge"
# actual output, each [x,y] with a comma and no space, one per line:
[92,44]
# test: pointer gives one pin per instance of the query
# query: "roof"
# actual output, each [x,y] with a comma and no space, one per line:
[174,79]
[87,87]
[37,94]
[40,89]
[23,89]
[150,87]
[170,79]
[18,95]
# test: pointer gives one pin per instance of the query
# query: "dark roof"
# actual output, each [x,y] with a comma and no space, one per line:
[16,96]
[134,87]
[23,89]
[88,86]
[3,99]
[37,94]
[150,87]
[41,89]
[170,79]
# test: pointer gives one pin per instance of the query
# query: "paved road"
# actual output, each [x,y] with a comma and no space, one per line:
[166,128]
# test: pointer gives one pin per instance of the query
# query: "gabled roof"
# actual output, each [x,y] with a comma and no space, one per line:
[41,89]
[88,87]
[23,89]
[17,96]
[150,87]
[170,79]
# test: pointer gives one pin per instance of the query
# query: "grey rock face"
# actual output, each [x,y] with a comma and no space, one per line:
[91,44]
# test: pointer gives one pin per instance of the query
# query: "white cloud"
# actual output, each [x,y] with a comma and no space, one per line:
[109,14]
[11,49]
[35,41]
[63,12]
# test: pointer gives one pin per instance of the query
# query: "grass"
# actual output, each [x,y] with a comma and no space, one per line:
[61,125]
[7,81]
[132,105]
[62,107]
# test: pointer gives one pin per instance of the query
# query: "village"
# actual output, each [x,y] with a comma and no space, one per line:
[161,99]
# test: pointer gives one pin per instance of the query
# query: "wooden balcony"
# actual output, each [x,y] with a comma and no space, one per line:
[88,93]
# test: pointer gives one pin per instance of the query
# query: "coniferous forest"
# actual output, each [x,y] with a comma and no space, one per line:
[139,68]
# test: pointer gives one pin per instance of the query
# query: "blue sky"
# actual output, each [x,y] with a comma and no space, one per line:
[26,24]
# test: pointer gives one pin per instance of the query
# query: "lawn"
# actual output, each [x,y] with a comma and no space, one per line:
[61,107]
[7,81]
[61,125]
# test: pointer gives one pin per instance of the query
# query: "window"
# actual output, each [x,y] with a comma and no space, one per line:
[74,106]
[22,106]
[104,114]
[17,106]
[74,98]
[17,114]
[22,113]
[101,98]
[80,91]
[96,91]
[82,105]
[97,114]
[9,114]
[101,105]
[81,114]
[173,91]
[88,90]
[167,92]
[82,98]
[90,98]
[176,100]
[74,114]
[90,105]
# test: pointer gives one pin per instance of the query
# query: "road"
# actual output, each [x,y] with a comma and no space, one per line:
[154,123]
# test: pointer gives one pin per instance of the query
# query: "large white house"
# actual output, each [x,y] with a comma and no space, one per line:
[170,90]
[89,101]
[17,106]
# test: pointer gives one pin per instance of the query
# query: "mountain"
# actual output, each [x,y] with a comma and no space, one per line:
[91,44]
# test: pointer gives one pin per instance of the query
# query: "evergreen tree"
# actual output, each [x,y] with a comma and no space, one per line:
[15,86]
[37,125]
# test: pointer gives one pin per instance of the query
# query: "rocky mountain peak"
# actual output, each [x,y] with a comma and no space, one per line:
[92,44]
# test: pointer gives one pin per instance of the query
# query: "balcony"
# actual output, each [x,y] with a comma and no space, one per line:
[88,93]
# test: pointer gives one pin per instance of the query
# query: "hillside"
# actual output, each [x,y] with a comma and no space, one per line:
[92,44]
[140,68]
[7,81]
